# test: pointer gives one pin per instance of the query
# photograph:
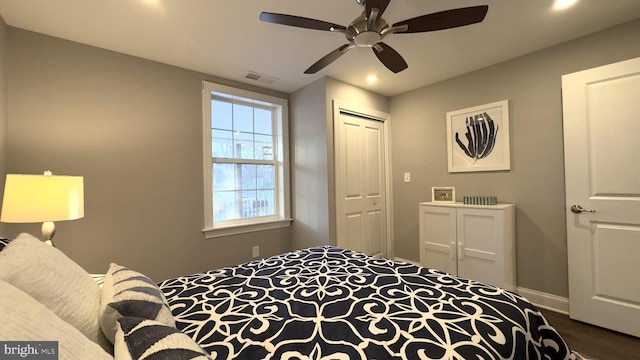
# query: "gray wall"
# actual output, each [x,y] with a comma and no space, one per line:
[532,84]
[309,184]
[312,152]
[133,129]
[3,110]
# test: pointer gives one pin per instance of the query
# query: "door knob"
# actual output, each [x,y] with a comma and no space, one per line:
[579,209]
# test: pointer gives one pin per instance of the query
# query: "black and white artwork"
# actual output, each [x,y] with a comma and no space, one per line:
[478,138]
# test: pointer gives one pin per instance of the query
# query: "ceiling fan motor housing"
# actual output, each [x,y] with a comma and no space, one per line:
[364,35]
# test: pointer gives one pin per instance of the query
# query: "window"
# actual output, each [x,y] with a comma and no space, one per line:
[245,161]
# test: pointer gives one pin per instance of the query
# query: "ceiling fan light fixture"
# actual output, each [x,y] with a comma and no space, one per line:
[367,39]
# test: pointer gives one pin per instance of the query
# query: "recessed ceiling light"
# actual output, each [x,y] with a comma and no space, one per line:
[372,79]
[563,4]
[154,5]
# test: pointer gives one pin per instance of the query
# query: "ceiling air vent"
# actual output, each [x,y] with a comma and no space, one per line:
[266,79]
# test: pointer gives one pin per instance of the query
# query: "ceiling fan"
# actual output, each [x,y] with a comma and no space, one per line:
[368,30]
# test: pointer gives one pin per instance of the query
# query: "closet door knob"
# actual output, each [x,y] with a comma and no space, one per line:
[579,209]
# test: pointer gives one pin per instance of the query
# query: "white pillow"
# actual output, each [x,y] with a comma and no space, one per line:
[25,319]
[56,281]
[129,293]
[140,339]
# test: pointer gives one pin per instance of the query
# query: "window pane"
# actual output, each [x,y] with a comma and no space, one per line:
[224,177]
[249,204]
[243,145]
[242,118]
[267,201]
[263,123]
[224,205]
[265,177]
[264,147]
[247,175]
[232,205]
[221,143]
[238,201]
[221,116]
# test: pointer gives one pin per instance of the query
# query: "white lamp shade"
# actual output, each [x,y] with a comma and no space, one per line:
[40,198]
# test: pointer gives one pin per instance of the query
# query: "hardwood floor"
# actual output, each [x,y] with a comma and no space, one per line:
[592,341]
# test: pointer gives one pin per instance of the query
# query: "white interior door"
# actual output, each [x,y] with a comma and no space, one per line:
[602,143]
[360,183]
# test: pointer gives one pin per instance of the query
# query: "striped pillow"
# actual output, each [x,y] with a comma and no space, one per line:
[129,293]
[142,339]
[3,242]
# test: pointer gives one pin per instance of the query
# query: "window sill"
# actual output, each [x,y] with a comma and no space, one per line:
[246,228]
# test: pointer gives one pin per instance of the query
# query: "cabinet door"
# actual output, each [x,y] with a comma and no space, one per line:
[438,238]
[480,245]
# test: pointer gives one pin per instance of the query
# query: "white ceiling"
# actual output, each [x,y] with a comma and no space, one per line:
[225,38]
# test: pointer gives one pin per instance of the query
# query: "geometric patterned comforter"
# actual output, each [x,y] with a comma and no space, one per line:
[330,303]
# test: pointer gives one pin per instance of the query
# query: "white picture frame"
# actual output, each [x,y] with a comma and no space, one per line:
[478,138]
[443,194]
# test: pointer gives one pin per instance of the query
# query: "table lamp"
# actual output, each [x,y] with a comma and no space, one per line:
[42,198]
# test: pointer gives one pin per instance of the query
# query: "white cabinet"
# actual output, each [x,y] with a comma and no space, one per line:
[471,241]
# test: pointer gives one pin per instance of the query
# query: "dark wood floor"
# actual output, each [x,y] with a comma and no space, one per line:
[593,341]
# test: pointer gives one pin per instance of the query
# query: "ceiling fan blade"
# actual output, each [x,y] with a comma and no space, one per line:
[389,57]
[298,21]
[381,5]
[444,20]
[328,59]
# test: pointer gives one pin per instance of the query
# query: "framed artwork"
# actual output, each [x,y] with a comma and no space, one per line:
[443,194]
[478,138]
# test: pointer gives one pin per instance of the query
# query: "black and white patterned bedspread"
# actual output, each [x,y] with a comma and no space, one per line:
[329,303]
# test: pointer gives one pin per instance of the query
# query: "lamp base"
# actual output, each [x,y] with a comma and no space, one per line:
[48,230]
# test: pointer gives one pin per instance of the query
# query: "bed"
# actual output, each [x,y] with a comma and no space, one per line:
[321,303]
[331,303]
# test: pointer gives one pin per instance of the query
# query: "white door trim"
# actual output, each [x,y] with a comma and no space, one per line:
[341,107]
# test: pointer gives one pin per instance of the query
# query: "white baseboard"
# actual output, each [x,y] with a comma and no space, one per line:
[546,301]
[542,300]
[407,261]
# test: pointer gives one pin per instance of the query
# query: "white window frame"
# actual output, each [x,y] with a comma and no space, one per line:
[282,218]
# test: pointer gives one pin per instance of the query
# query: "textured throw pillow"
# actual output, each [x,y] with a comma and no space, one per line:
[129,293]
[140,339]
[3,242]
[56,281]
[25,319]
